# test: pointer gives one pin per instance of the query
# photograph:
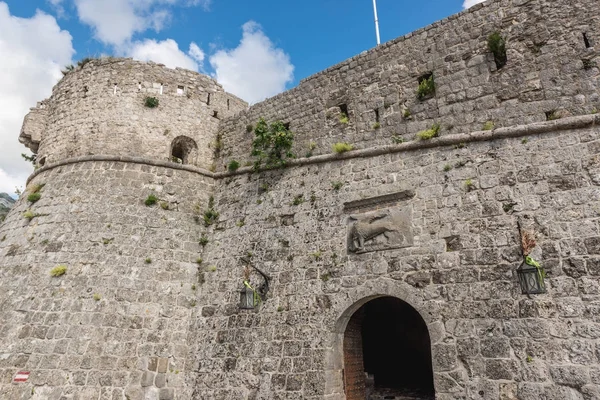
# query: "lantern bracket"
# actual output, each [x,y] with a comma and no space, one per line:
[263,289]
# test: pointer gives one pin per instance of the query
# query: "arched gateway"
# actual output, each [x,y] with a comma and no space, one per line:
[382,351]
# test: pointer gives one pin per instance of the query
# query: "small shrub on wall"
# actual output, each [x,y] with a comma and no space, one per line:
[272,145]
[497,45]
[151,102]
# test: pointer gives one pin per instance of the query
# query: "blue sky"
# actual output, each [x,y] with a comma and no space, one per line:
[255,49]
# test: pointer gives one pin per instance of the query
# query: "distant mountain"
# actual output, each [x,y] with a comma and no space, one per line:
[6,203]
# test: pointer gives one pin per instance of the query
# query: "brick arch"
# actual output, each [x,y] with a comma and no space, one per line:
[355,299]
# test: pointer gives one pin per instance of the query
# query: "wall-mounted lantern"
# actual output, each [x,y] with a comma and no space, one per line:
[531,278]
[247,297]
[250,297]
[530,272]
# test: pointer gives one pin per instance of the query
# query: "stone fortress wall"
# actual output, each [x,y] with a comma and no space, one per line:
[99,109]
[544,42]
[166,325]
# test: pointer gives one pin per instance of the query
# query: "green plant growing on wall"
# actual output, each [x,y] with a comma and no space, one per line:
[34,197]
[151,102]
[29,215]
[151,200]
[447,167]
[203,240]
[553,115]
[406,114]
[148,260]
[217,146]
[342,147]
[497,45]
[376,125]
[81,63]
[426,87]
[68,68]
[233,166]
[164,205]
[298,200]
[240,223]
[469,185]
[397,139]
[97,297]
[311,147]
[524,141]
[344,118]
[272,145]
[59,270]
[337,185]
[210,215]
[429,133]
[488,126]
[32,159]
[529,358]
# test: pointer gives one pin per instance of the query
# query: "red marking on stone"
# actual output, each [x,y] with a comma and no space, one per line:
[21,376]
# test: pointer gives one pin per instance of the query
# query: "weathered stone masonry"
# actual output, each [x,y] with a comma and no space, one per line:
[138,315]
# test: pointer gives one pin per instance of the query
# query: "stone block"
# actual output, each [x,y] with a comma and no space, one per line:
[570,375]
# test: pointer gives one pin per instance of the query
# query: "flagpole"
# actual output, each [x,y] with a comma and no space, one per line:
[376,22]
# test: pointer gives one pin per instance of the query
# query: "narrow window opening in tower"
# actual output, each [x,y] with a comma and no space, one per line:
[228,104]
[216,114]
[208,100]
[42,161]
[183,150]
[161,89]
[139,86]
[586,41]
[377,116]
[344,110]
[180,90]
[115,89]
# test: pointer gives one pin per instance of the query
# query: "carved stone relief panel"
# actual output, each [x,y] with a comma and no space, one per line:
[380,230]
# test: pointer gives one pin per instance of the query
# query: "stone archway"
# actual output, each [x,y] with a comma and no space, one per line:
[387,353]
[353,301]
[184,150]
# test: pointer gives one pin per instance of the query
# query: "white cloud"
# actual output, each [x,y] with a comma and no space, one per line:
[38,49]
[196,53]
[167,52]
[254,70]
[471,3]
[116,21]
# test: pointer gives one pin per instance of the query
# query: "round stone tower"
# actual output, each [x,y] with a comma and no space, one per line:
[106,107]
[99,258]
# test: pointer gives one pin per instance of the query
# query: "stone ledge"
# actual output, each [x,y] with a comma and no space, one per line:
[578,122]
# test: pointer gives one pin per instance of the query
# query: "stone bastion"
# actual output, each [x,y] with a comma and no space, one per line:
[99,109]
[385,272]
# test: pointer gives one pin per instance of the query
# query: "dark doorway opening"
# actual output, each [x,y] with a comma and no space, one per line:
[184,150]
[387,353]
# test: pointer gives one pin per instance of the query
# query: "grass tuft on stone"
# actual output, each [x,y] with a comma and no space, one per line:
[151,200]
[59,270]
[342,147]
[429,133]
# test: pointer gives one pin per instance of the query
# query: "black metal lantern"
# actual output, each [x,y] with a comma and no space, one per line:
[247,300]
[531,279]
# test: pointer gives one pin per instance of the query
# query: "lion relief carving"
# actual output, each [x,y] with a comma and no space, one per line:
[379,230]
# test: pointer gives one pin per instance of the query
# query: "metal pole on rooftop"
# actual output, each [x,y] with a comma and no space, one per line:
[376,22]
